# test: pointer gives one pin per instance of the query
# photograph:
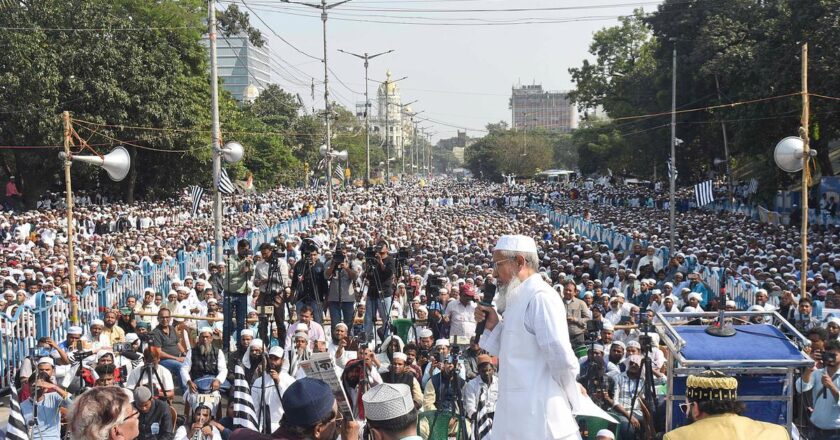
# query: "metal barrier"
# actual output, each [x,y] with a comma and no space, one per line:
[20,331]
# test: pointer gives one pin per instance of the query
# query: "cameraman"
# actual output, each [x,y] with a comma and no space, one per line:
[309,282]
[238,270]
[272,292]
[49,398]
[596,375]
[380,269]
[341,298]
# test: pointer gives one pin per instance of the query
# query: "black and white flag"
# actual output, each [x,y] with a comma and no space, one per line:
[339,172]
[671,169]
[704,193]
[244,415]
[225,185]
[195,195]
[16,428]
[111,250]
[483,417]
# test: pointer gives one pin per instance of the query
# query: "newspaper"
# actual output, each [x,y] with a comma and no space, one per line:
[321,366]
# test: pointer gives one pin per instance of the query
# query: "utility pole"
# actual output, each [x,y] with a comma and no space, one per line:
[804,133]
[387,134]
[367,58]
[402,147]
[216,134]
[725,146]
[673,176]
[324,7]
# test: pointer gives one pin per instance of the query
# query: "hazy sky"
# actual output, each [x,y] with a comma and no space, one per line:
[459,68]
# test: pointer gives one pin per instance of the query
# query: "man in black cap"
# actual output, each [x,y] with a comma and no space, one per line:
[390,412]
[311,412]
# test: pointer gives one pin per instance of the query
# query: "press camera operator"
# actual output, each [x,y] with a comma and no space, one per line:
[271,279]
[341,298]
[380,268]
[238,270]
[309,282]
[596,376]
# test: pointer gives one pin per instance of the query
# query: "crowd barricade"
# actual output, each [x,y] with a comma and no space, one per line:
[742,292]
[50,316]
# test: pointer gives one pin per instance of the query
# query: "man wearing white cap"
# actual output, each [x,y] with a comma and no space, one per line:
[537,387]
[390,412]
[276,381]
[204,369]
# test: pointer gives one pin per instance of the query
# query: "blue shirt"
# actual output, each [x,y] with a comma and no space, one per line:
[49,418]
[826,413]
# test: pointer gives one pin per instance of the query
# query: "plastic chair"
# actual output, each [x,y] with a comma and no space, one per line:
[402,325]
[440,425]
[581,351]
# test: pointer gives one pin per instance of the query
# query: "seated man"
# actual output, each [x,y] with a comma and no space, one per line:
[297,352]
[390,412]
[204,370]
[443,388]
[480,396]
[397,372]
[153,375]
[276,381]
[155,417]
[166,338]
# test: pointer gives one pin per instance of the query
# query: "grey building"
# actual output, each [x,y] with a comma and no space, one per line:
[243,67]
[532,107]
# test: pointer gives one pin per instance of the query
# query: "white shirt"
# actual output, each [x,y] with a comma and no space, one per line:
[461,319]
[273,393]
[476,389]
[137,378]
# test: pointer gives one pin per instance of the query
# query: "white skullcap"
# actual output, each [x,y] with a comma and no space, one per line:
[74,330]
[131,338]
[620,344]
[608,325]
[276,351]
[46,360]
[256,343]
[300,334]
[388,401]
[672,297]
[442,343]
[730,303]
[598,347]
[425,333]
[633,344]
[516,243]
[833,319]
[341,324]
[695,295]
[606,434]
[400,355]
[205,330]
[246,332]
[656,292]
[98,322]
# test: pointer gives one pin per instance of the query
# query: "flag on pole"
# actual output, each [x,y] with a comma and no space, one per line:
[261,224]
[225,185]
[244,415]
[111,250]
[339,172]
[483,417]
[704,193]
[16,428]
[671,169]
[195,195]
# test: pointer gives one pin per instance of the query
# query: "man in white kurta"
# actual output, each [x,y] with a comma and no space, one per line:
[537,389]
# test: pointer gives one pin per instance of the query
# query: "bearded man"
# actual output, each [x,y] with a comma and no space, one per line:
[537,388]
[297,353]
[204,369]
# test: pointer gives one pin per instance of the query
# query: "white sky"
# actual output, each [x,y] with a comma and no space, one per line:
[461,75]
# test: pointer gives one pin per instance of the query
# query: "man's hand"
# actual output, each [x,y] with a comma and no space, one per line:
[487,314]
[193,387]
[635,422]
[828,383]
[215,385]
[275,376]
[350,430]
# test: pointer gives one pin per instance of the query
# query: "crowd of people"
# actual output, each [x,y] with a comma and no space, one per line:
[388,288]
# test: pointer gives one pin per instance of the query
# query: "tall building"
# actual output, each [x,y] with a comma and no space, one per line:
[243,67]
[391,113]
[531,107]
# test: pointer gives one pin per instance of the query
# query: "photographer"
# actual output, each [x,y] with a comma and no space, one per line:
[49,398]
[238,270]
[341,298]
[309,281]
[596,375]
[823,381]
[272,292]
[379,272]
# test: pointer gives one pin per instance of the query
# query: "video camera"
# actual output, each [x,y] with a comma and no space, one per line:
[307,246]
[593,329]
[433,286]
[120,347]
[370,254]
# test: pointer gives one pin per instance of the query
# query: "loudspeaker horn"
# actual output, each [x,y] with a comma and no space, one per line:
[116,163]
[341,155]
[323,150]
[233,152]
[719,161]
[788,154]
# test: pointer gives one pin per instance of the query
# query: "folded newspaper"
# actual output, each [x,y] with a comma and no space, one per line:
[321,366]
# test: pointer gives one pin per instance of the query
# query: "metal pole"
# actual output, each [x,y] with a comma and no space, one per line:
[805,173]
[673,179]
[725,147]
[367,125]
[327,110]
[71,260]
[414,149]
[216,134]
[387,135]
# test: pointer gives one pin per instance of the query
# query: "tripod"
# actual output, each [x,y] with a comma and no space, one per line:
[273,288]
[457,409]
[649,391]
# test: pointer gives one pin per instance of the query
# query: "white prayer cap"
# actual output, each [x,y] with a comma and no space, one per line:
[341,324]
[516,243]
[608,325]
[620,344]
[205,330]
[300,334]
[46,360]
[387,401]
[256,343]
[834,320]
[74,330]
[656,292]
[598,347]
[276,351]
[442,343]
[425,333]
[634,343]
[131,338]
[400,355]
[696,296]
[672,298]
[246,332]
[605,434]
[98,322]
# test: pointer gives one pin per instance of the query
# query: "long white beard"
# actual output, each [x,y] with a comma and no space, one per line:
[506,293]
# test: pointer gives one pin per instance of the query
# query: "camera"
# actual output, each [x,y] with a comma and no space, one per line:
[122,346]
[433,286]
[828,356]
[339,257]
[370,254]
[307,246]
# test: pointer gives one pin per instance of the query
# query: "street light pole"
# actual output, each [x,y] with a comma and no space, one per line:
[673,176]
[402,147]
[215,135]
[324,7]
[367,57]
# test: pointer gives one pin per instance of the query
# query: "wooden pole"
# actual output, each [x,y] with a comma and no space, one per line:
[806,178]
[74,297]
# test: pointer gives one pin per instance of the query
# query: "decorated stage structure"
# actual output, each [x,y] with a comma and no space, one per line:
[763,357]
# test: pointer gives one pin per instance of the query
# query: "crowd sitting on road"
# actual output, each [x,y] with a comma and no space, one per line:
[387,287]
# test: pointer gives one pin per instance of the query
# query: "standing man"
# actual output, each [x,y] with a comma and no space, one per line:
[537,387]
[309,283]
[271,279]
[380,278]
[461,315]
[823,380]
[238,270]
[577,313]
[341,297]
[480,396]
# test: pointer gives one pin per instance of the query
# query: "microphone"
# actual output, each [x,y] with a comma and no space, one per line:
[486,300]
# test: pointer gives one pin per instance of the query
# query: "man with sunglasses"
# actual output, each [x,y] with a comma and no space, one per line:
[713,411]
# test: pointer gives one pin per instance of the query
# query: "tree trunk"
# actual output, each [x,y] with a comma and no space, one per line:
[131,182]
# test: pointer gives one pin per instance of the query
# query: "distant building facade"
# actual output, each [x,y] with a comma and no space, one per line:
[532,107]
[243,68]
[394,122]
